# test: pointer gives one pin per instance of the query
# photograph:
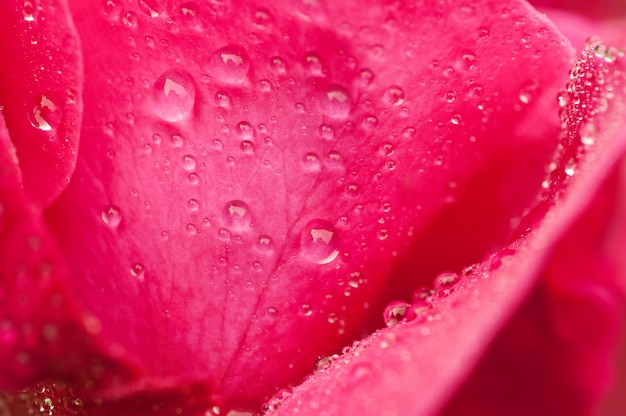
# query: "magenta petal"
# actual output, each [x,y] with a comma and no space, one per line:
[571,322]
[44,333]
[41,92]
[240,185]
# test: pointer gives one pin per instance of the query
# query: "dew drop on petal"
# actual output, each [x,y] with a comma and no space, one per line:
[230,64]
[445,283]
[319,241]
[394,95]
[311,162]
[45,113]
[138,270]
[174,94]
[111,215]
[188,162]
[335,102]
[265,243]
[152,8]
[237,215]
[395,312]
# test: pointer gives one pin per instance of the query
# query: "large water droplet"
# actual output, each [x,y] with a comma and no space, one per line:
[445,283]
[188,162]
[111,215]
[335,102]
[395,312]
[230,64]
[237,215]
[174,94]
[319,241]
[45,113]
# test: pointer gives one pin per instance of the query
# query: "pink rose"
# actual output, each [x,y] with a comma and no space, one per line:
[308,207]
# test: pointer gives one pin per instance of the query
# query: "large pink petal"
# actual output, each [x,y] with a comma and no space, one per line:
[248,176]
[557,354]
[41,92]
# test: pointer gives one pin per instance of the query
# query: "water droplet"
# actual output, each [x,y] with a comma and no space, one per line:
[237,215]
[445,283]
[335,102]
[326,132]
[191,229]
[188,162]
[129,19]
[45,113]
[278,65]
[193,178]
[111,216]
[383,234]
[529,91]
[247,147]
[138,270]
[305,310]
[450,96]
[314,64]
[193,205]
[456,119]
[177,140]
[230,64]
[29,10]
[152,8]
[174,95]
[262,16]
[319,241]
[387,149]
[311,161]
[265,243]
[165,235]
[466,60]
[395,312]
[394,95]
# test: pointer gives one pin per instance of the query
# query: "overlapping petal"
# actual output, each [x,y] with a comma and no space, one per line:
[537,365]
[40,92]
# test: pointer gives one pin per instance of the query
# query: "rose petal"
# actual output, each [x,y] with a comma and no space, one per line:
[44,333]
[416,366]
[40,92]
[235,195]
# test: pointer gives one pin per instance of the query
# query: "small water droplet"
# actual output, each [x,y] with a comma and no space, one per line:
[165,235]
[456,119]
[237,215]
[319,241]
[111,215]
[305,310]
[335,102]
[445,283]
[265,243]
[450,96]
[383,234]
[395,312]
[188,162]
[152,8]
[193,205]
[528,91]
[466,60]
[45,114]
[129,19]
[177,140]
[394,95]
[387,149]
[29,11]
[193,178]
[174,94]
[314,64]
[326,132]
[230,64]
[311,161]
[138,270]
